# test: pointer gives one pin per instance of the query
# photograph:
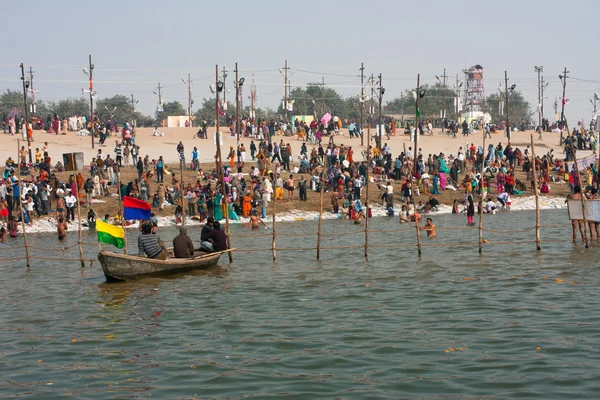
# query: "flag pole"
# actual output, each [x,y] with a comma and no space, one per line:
[79,242]
[122,211]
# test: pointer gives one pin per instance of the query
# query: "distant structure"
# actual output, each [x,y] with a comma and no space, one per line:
[474,97]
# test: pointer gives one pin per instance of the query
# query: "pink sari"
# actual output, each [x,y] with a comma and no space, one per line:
[443,181]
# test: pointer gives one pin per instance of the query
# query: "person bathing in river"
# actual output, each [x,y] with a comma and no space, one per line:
[61,229]
[429,227]
[254,220]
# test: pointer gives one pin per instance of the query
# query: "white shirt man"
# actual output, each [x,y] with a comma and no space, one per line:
[70,201]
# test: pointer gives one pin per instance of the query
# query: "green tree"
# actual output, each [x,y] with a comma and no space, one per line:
[309,101]
[171,108]
[117,107]
[430,105]
[70,106]
[11,103]
[207,112]
[519,108]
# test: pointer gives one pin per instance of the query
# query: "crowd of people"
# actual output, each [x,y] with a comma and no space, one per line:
[273,173]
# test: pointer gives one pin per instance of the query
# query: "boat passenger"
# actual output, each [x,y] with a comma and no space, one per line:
[150,245]
[182,244]
[215,239]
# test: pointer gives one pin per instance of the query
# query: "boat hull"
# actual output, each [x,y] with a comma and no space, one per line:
[121,267]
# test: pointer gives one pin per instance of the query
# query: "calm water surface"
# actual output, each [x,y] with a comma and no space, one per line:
[339,328]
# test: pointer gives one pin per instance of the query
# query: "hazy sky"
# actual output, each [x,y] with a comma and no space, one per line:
[137,43]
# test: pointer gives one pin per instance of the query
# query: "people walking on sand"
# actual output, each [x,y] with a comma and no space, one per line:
[160,170]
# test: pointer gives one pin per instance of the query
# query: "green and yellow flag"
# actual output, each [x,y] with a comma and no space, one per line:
[110,234]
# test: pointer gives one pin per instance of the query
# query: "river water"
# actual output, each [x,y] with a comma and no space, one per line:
[510,324]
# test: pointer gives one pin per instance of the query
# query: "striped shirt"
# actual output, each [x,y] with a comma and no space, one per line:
[148,245]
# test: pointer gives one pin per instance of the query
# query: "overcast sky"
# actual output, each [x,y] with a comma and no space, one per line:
[137,43]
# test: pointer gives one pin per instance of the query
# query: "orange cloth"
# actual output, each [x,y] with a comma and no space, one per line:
[247,205]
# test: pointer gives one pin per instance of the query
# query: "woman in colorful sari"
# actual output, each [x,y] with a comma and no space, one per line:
[217,207]
[442,171]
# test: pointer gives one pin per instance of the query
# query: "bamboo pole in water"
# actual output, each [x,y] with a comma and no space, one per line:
[181,190]
[482,190]
[79,242]
[367,201]
[123,224]
[405,200]
[537,199]
[585,236]
[274,238]
[319,229]
[219,162]
[417,223]
[21,205]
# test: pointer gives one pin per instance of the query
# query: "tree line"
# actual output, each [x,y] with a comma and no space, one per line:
[313,100]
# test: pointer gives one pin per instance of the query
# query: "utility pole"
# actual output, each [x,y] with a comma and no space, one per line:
[362,100]
[133,103]
[224,108]
[237,105]
[33,109]
[91,66]
[371,108]
[190,102]
[285,90]
[252,98]
[417,115]
[539,71]
[443,82]
[26,122]
[381,91]
[323,96]
[507,107]
[457,96]
[562,122]
[543,87]
[159,95]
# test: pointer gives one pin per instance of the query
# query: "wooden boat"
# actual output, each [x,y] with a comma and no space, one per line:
[121,267]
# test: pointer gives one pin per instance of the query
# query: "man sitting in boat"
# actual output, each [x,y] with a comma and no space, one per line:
[150,245]
[206,228]
[182,244]
[215,239]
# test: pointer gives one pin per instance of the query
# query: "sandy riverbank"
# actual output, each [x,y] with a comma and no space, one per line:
[166,146]
[45,225]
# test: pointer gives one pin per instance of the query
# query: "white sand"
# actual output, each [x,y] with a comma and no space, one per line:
[166,146]
[518,204]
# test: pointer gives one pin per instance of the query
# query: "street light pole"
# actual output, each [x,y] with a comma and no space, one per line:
[381,91]
[26,124]
[417,115]
[562,123]
[91,100]
[507,107]
[539,71]
[362,100]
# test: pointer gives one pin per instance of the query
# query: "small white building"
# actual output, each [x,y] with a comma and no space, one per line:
[176,121]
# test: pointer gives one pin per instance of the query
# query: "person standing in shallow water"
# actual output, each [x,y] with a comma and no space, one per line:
[575,223]
[429,227]
[470,209]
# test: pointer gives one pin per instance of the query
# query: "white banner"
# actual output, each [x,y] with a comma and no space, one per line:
[592,210]
[215,138]
[582,163]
